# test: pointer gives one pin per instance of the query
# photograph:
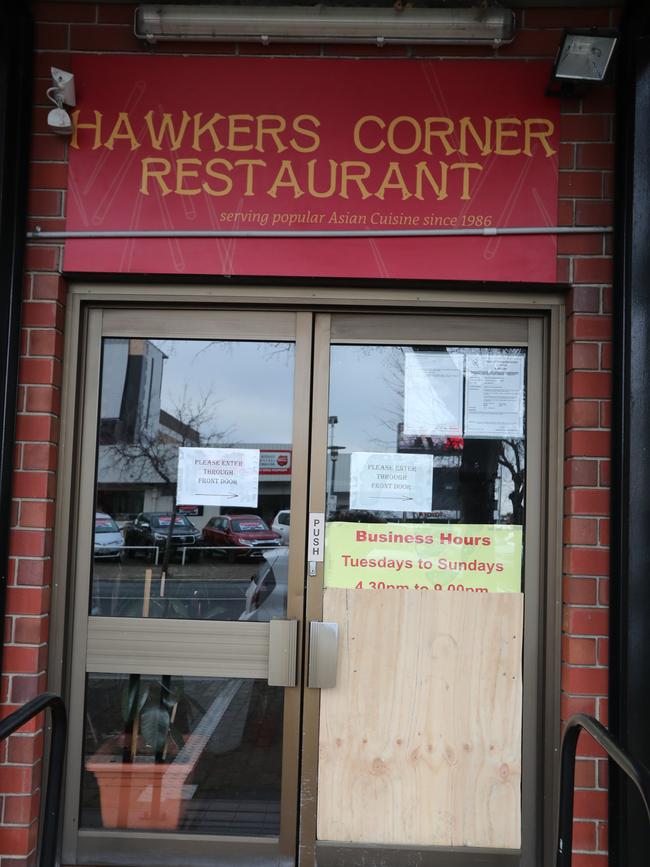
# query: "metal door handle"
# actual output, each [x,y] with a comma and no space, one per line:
[323,654]
[283,652]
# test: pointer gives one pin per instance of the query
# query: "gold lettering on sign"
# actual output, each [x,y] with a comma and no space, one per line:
[359,145]
[153,167]
[220,176]
[447,153]
[438,187]
[167,129]
[270,125]
[239,124]
[543,134]
[417,134]
[354,172]
[250,166]
[286,177]
[502,132]
[209,127]
[96,127]
[122,130]
[308,133]
[182,172]
[311,182]
[441,128]
[393,180]
[484,144]
[465,168]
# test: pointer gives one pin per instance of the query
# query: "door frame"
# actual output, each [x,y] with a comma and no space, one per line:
[441,329]
[219,648]
[541,302]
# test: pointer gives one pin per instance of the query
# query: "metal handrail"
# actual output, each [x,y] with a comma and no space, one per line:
[15,721]
[633,769]
[636,772]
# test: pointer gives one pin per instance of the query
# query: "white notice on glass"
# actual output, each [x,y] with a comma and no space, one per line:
[218,477]
[494,395]
[433,394]
[391,482]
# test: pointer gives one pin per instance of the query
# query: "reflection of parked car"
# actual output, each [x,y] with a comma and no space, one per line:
[151,529]
[125,519]
[108,540]
[266,596]
[281,524]
[239,536]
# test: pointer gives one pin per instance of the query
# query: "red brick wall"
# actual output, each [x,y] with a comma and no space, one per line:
[586,188]
[585,261]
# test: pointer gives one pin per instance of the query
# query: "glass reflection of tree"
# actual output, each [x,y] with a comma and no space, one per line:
[478,473]
[151,449]
[482,458]
[512,458]
[477,480]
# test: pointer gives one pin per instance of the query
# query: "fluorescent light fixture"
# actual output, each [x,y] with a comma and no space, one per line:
[584,57]
[467,26]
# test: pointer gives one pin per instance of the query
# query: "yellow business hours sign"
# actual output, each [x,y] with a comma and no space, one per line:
[483,558]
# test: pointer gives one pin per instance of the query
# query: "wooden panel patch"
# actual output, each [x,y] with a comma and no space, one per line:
[420,740]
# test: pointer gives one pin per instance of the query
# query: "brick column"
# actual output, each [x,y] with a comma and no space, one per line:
[586,198]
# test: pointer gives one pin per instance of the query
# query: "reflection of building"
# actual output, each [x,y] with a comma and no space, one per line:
[137,460]
[128,486]
[131,384]
[505,478]
[136,437]
[173,430]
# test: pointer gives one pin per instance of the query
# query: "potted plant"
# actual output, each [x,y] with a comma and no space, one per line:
[142,771]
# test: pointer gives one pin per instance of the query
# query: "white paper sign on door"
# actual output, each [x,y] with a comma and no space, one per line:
[391,482]
[433,394]
[218,477]
[494,395]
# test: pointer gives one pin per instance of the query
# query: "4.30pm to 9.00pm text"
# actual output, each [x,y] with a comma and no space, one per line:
[382,585]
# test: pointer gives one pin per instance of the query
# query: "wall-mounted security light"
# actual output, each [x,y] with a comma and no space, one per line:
[584,57]
[479,25]
[62,92]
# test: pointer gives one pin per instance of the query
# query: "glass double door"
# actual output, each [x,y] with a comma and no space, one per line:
[302,545]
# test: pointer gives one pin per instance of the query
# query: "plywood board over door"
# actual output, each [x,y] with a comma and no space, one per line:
[420,740]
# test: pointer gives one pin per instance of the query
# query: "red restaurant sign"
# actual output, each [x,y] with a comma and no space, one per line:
[274,463]
[208,143]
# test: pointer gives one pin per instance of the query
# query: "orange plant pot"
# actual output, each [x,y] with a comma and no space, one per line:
[142,794]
